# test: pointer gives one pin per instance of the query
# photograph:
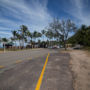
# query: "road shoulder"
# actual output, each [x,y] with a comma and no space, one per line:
[80,65]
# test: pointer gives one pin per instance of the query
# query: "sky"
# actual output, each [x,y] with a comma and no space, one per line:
[36,14]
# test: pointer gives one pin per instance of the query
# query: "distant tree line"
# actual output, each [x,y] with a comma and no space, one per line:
[24,35]
[82,36]
[56,33]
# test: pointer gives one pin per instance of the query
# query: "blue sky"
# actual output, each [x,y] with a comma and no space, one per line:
[36,14]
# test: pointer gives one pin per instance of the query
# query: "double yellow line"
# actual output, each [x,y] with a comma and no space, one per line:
[41,76]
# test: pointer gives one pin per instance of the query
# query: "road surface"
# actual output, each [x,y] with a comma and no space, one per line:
[9,59]
[45,72]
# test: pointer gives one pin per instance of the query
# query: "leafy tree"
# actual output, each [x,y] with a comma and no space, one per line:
[82,36]
[62,29]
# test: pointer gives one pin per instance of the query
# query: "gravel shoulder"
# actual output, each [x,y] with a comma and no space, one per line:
[80,65]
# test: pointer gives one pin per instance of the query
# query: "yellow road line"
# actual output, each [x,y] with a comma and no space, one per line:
[41,76]
[1,66]
[18,61]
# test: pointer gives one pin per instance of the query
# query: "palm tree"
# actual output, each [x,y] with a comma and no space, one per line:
[39,34]
[43,33]
[19,38]
[23,32]
[28,34]
[39,42]
[49,35]
[14,33]
[35,35]
[31,36]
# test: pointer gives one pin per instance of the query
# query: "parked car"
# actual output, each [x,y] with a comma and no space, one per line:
[55,47]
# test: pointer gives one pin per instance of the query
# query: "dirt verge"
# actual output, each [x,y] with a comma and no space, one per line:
[80,66]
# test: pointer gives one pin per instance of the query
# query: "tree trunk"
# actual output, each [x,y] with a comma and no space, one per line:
[65,45]
[23,43]
[15,44]
[19,44]
[43,38]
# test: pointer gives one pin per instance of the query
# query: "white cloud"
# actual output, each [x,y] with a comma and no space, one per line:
[5,34]
[34,14]
[4,29]
[77,10]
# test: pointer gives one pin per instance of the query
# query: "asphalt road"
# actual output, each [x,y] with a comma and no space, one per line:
[25,75]
[9,58]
